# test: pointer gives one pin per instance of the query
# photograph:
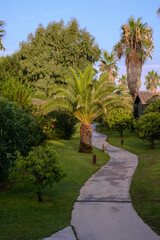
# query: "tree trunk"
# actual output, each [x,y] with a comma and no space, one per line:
[85,138]
[39,197]
[134,70]
[152,144]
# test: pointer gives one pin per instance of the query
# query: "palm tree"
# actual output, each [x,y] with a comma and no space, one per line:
[152,81]
[158,11]
[2,33]
[136,45]
[86,99]
[123,81]
[109,64]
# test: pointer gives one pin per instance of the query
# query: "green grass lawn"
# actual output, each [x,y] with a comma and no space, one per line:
[145,186]
[23,217]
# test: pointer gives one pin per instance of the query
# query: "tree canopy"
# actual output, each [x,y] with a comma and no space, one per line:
[47,55]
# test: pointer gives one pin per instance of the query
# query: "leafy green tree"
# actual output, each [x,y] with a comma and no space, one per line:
[109,64]
[136,45]
[152,81]
[86,100]
[47,55]
[118,119]
[2,33]
[41,166]
[16,91]
[9,67]
[148,127]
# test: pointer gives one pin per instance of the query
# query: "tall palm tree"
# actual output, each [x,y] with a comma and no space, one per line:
[136,45]
[2,33]
[86,99]
[152,81]
[109,64]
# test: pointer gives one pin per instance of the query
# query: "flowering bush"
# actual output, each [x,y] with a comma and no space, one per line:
[45,122]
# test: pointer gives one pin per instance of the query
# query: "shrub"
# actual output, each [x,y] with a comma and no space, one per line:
[65,124]
[18,132]
[41,166]
[45,122]
[148,127]
[16,91]
[154,106]
[118,119]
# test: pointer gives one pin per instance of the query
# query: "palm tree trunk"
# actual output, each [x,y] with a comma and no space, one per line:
[85,138]
[134,70]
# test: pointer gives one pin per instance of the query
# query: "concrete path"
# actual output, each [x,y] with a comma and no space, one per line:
[104,210]
[65,234]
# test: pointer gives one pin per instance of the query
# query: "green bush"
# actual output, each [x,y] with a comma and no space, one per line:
[118,119]
[18,132]
[41,167]
[65,124]
[148,127]
[154,106]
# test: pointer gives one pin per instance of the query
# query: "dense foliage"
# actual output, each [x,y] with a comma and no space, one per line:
[16,91]
[18,132]
[154,106]
[9,67]
[46,56]
[148,127]
[118,119]
[41,166]
[65,124]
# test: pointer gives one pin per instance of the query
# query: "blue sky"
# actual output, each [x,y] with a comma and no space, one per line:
[102,19]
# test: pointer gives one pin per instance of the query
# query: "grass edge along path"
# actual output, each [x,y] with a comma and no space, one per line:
[23,217]
[145,185]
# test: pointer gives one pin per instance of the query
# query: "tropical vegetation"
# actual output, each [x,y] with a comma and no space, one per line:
[123,80]
[108,63]
[2,33]
[136,45]
[152,81]
[86,100]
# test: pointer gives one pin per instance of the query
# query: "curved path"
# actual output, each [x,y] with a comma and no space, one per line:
[103,210]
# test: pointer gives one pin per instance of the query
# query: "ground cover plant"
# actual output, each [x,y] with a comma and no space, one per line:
[23,217]
[145,183]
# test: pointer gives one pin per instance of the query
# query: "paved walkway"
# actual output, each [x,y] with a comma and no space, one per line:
[103,210]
